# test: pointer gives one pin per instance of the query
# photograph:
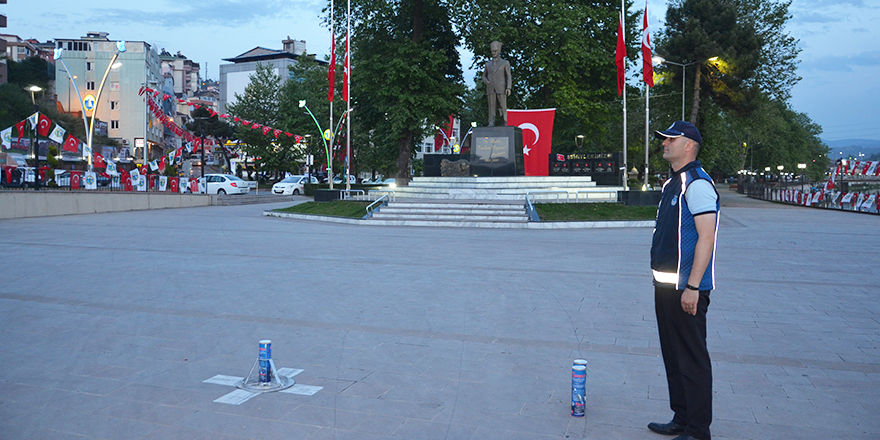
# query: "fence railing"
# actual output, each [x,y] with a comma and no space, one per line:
[862,199]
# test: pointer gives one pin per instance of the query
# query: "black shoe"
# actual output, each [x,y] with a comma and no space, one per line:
[670,428]
[684,437]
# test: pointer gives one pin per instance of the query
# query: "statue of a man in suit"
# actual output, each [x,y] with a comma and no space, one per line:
[496,76]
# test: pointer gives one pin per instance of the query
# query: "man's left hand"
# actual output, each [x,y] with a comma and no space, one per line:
[689,301]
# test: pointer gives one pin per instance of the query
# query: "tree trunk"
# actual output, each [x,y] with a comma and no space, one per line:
[404,158]
[695,108]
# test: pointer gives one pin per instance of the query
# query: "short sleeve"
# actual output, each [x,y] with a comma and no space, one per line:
[701,197]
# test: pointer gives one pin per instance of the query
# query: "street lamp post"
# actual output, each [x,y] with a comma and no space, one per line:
[36,148]
[113,65]
[58,56]
[579,142]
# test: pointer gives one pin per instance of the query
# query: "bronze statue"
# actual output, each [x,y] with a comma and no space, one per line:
[496,76]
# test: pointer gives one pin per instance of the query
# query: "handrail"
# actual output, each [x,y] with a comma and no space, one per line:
[531,211]
[380,199]
[343,192]
[557,192]
[387,192]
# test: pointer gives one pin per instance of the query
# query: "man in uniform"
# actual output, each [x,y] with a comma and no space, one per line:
[683,260]
[496,76]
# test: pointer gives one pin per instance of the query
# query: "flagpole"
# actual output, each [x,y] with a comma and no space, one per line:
[625,167]
[332,86]
[347,72]
[647,113]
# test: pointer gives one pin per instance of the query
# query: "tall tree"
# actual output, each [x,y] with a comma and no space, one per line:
[259,105]
[406,73]
[204,123]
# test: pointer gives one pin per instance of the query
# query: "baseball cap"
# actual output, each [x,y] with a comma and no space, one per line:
[678,129]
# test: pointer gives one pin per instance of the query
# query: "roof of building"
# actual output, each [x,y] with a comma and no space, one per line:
[261,53]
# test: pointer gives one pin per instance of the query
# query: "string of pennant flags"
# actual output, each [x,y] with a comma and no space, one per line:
[859,201]
[189,137]
[44,127]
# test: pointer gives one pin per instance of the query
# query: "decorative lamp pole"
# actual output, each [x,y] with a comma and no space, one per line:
[33,90]
[326,137]
[120,47]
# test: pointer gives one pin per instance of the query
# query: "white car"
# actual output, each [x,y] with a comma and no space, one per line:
[226,184]
[292,185]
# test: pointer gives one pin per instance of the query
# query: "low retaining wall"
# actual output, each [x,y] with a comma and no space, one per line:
[20,204]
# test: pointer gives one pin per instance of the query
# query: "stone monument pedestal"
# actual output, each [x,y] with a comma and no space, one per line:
[497,151]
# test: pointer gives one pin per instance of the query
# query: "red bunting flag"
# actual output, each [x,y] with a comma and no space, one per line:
[71,144]
[297,138]
[236,119]
[288,134]
[255,126]
[44,125]
[647,63]
[620,56]
[277,133]
[266,130]
[224,116]
[245,123]
[20,128]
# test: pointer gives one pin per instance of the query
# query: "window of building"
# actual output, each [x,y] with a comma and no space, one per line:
[114,105]
[90,85]
[114,125]
[90,66]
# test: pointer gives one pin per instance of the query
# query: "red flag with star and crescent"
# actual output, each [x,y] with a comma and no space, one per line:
[647,63]
[620,57]
[331,69]
[537,136]
[71,144]
[346,67]
[44,125]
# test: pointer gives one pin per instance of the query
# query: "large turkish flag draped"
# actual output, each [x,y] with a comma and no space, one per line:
[537,127]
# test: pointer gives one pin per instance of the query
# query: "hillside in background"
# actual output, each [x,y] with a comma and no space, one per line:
[852,148]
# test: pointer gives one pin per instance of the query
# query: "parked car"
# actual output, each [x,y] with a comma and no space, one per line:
[225,184]
[292,185]
[374,180]
[337,180]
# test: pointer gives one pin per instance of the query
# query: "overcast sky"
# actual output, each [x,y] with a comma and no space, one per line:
[839,61]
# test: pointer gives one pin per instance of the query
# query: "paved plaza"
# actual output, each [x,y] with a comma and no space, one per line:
[112,323]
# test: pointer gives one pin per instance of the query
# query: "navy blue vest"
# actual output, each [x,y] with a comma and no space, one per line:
[675,233]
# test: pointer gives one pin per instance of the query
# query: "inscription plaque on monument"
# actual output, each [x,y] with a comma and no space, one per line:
[497,151]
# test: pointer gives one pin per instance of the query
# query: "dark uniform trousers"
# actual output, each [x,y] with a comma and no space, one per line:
[688,368]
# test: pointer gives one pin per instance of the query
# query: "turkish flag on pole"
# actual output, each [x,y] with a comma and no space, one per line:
[345,68]
[537,127]
[620,56]
[331,70]
[99,161]
[647,63]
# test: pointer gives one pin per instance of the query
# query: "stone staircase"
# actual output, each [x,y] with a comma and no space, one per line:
[451,213]
[544,188]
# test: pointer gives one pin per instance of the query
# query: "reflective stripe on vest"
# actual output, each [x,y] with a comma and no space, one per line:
[666,277]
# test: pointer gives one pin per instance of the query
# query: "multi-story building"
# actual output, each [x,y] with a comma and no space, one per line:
[3,79]
[236,76]
[18,49]
[44,50]
[120,107]
[184,73]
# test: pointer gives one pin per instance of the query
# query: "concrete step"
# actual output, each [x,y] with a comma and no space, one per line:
[429,211]
[450,217]
[253,199]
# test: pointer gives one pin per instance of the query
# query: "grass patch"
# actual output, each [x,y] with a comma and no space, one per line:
[587,212]
[336,208]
